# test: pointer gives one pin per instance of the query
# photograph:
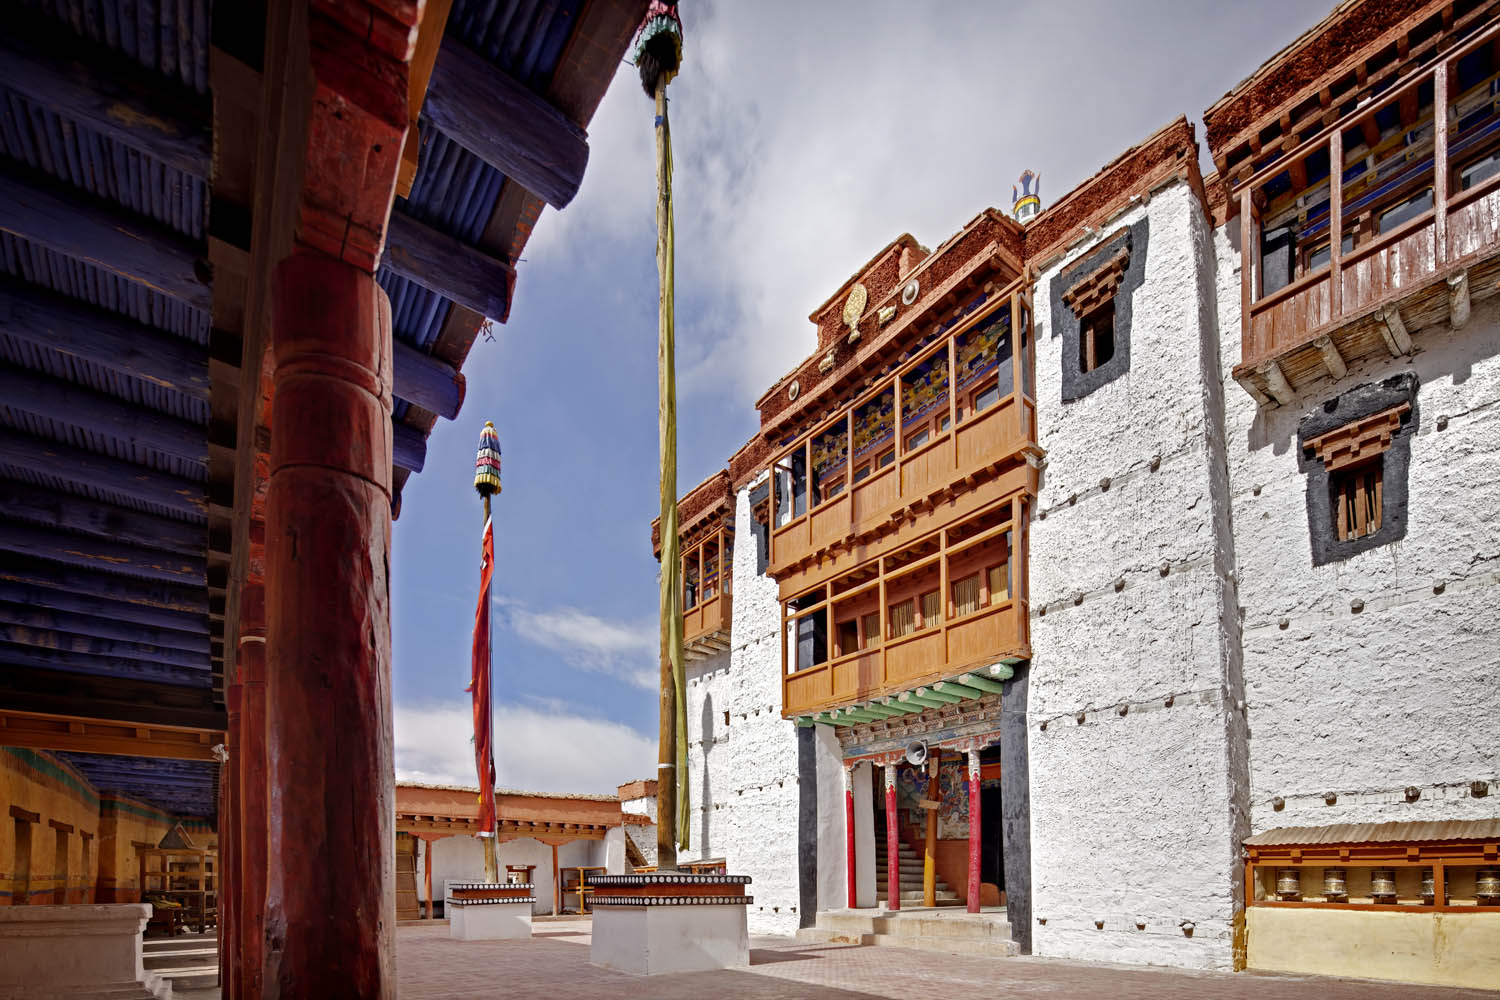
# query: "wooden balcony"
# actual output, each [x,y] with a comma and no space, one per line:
[989,635]
[705,627]
[977,447]
[1371,295]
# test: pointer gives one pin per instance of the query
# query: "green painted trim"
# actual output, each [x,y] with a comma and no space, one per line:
[49,766]
[856,715]
[900,707]
[805,722]
[926,701]
[882,711]
[830,719]
[982,683]
[961,690]
[951,699]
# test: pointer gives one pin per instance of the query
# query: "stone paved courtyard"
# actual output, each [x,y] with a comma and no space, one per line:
[554,965]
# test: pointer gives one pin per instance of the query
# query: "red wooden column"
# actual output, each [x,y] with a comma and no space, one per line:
[330,897]
[892,842]
[427,844]
[849,835]
[250,913]
[976,828]
[232,959]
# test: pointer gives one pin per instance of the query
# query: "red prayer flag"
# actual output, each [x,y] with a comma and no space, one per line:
[479,686]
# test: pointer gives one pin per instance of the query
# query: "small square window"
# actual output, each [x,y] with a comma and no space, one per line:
[1355,499]
[1096,337]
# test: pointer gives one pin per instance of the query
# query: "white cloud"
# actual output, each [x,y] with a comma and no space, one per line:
[539,750]
[588,641]
[806,136]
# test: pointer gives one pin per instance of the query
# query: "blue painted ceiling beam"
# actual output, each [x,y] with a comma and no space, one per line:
[449,267]
[106,666]
[44,602]
[86,516]
[51,576]
[98,233]
[110,475]
[104,338]
[505,124]
[125,422]
[99,555]
[67,642]
[101,626]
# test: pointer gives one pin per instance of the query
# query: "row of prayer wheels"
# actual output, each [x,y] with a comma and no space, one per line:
[1383,885]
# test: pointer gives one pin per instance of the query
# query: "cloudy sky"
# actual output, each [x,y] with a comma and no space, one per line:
[806,136]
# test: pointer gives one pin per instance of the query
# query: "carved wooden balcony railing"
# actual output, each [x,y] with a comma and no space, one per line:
[962,455]
[1418,213]
[707,593]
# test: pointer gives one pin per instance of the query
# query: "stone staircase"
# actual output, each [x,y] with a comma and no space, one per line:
[187,961]
[911,879]
[956,932]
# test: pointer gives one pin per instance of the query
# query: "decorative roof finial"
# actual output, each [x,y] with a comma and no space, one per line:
[487,463]
[1028,202]
[658,45]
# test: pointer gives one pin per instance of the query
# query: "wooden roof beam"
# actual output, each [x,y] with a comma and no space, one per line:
[505,124]
[101,627]
[449,267]
[71,664]
[88,645]
[112,475]
[52,584]
[43,606]
[49,732]
[100,234]
[85,516]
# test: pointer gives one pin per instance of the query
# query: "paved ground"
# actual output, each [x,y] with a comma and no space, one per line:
[554,965]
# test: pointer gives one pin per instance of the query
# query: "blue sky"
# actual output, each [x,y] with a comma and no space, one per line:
[806,136]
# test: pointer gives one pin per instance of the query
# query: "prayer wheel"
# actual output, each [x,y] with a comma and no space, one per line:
[1335,885]
[1428,891]
[1289,883]
[1383,885]
[1487,886]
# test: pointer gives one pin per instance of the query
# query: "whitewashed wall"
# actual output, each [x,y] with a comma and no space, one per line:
[463,858]
[743,776]
[1403,693]
[1133,816]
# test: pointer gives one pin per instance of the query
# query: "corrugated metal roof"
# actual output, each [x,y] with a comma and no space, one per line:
[1380,833]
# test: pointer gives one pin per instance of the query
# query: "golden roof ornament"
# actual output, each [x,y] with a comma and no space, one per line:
[854,308]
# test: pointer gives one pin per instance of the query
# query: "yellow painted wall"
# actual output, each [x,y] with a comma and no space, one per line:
[1448,949]
[124,824]
[40,783]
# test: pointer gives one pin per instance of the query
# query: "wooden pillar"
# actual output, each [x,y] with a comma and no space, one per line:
[976,832]
[330,895]
[231,963]
[1440,159]
[892,842]
[1336,223]
[929,849]
[849,859]
[251,862]
[429,843]
[556,884]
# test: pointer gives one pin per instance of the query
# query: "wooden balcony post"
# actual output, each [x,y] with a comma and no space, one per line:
[900,427]
[1335,223]
[953,394]
[849,463]
[884,624]
[1440,161]
[929,846]
[1249,265]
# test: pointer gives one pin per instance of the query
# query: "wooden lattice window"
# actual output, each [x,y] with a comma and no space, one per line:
[1354,457]
[1096,337]
[1092,300]
[1356,500]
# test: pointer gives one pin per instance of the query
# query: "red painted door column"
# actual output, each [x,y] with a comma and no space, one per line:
[849,837]
[330,890]
[892,842]
[250,914]
[976,829]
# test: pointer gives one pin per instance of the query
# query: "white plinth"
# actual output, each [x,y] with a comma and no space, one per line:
[489,921]
[44,949]
[670,938]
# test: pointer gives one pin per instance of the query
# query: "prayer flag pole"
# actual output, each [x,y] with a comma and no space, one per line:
[658,55]
[486,483]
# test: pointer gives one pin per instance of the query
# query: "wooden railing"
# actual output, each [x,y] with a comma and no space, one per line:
[706,618]
[1455,232]
[896,665]
[972,443]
